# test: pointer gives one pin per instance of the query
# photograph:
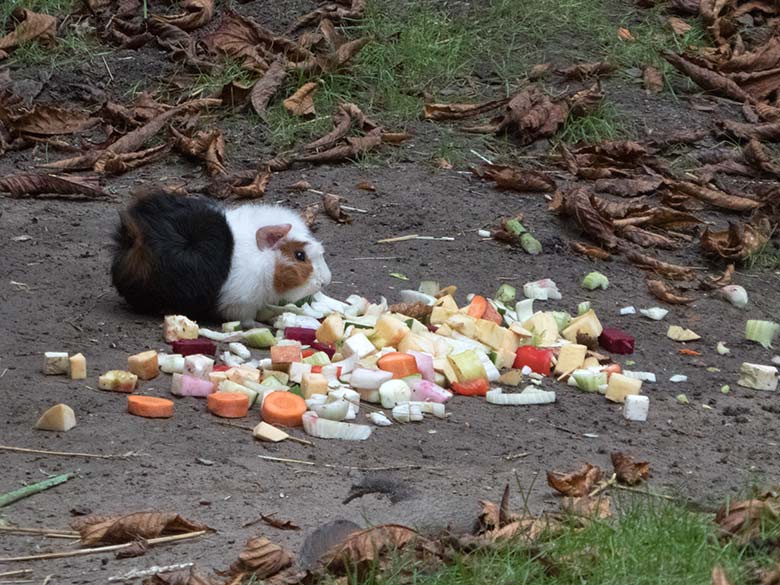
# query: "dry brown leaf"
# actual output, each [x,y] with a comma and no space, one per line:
[301,103]
[520,180]
[299,186]
[265,87]
[45,120]
[332,11]
[531,115]
[626,151]
[279,524]
[736,243]
[629,187]
[678,25]
[121,529]
[662,217]
[617,209]
[715,197]
[577,203]
[136,549]
[332,205]
[539,71]
[205,145]
[770,576]
[365,186]
[712,282]
[665,269]
[262,558]
[652,79]
[625,35]
[29,26]
[33,184]
[459,111]
[577,483]
[189,576]
[583,71]
[196,14]
[743,520]
[769,132]
[309,214]
[367,546]
[112,163]
[590,251]
[354,147]
[527,529]
[719,576]
[629,471]
[255,189]
[708,79]
[757,155]
[597,507]
[345,117]
[660,290]
[647,239]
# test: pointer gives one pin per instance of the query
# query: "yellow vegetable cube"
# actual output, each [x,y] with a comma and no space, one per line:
[571,358]
[313,384]
[144,365]
[78,367]
[620,386]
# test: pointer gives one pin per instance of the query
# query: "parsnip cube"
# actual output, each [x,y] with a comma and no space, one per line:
[620,386]
[78,367]
[587,324]
[570,358]
[118,381]
[270,433]
[331,330]
[313,384]
[440,315]
[179,327]
[241,374]
[466,325]
[217,377]
[145,364]
[388,331]
[446,302]
[55,363]
[59,417]
[297,371]
[544,326]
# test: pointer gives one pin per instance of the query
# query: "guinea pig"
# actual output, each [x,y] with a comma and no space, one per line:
[194,256]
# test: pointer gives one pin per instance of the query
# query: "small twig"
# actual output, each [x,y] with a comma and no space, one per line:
[516,456]
[111,75]
[398,239]
[560,428]
[138,573]
[102,549]
[378,258]
[29,490]
[355,209]
[604,485]
[18,573]
[50,532]
[65,453]
[566,374]
[350,467]
[482,158]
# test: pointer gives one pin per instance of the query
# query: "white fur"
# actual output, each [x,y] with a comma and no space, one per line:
[249,285]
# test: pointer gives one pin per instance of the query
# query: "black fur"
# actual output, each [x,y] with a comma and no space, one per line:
[172,255]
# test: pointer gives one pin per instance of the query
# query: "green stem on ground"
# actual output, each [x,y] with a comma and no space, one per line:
[29,490]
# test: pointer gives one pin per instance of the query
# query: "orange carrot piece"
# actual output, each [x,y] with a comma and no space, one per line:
[284,409]
[491,314]
[149,406]
[612,369]
[228,404]
[399,364]
[477,307]
[686,351]
[478,387]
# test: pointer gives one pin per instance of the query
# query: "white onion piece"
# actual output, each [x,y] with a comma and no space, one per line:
[171,363]
[369,395]
[425,391]
[434,408]
[407,413]
[323,428]
[230,359]
[337,410]
[490,369]
[528,396]
[678,378]
[644,376]
[394,392]
[348,394]
[220,335]
[414,296]
[379,419]
[316,400]
[240,350]
[365,379]
[424,364]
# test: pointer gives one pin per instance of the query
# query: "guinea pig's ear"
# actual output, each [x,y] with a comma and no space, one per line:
[269,236]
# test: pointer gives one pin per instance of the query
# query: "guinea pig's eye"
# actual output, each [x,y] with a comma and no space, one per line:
[300,255]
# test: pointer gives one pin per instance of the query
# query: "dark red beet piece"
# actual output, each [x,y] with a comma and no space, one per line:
[303,334]
[616,341]
[322,347]
[192,346]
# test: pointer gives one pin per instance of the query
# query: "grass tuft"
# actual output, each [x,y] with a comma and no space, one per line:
[601,124]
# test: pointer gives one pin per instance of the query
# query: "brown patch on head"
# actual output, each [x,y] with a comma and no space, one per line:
[291,272]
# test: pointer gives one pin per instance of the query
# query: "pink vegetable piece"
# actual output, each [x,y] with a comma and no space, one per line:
[304,335]
[425,391]
[616,341]
[424,364]
[186,385]
[187,347]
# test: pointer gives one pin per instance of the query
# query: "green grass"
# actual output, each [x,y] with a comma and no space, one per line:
[649,542]
[766,258]
[602,124]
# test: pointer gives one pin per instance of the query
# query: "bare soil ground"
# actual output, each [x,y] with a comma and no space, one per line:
[55,294]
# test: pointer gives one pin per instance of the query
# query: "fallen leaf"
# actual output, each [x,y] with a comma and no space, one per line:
[113,163]
[128,528]
[626,151]
[660,290]
[45,120]
[309,214]
[708,79]
[300,186]
[332,205]
[736,243]
[628,471]
[255,189]
[598,507]
[646,239]
[442,163]
[263,558]
[279,524]
[521,180]
[527,529]
[590,251]
[665,269]
[136,549]
[205,145]
[538,71]
[653,79]
[32,184]
[578,483]
[715,197]
[331,11]
[758,156]
[346,116]
[29,26]
[365,186]
[712,282]
[396,137]
[678,25]
[719,576]
[189,576]
[301,103]
[265,87]
[355,146]
[531,115]
[769,132]
[770,576]
[660,216]
[459,111]
[625,35]
[583,71]
[196,14]
[368,546]
[743,520]
[610,208]
[577,203]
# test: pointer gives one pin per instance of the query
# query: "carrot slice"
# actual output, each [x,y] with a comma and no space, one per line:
[399,364]
[149,406]
[491,314]
[477,307]
[612,369]
[478,387]
[228,404]
[308,352]
[283,408]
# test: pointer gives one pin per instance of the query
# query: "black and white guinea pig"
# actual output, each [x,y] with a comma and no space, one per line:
[193,256]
